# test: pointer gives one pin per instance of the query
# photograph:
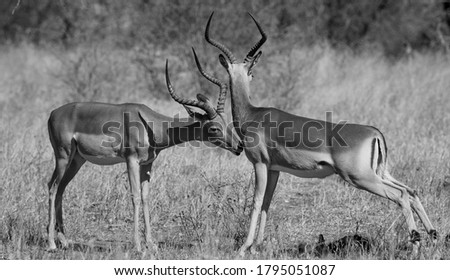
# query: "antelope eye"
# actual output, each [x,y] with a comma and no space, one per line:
[214,129]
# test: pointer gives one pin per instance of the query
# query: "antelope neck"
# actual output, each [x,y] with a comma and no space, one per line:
[240,102]
[183,130]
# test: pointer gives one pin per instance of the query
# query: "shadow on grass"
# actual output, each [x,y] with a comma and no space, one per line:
[349,246]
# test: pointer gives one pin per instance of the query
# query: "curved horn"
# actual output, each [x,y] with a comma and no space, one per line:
[189,102]
[216,44]
[253,50]
[223,86]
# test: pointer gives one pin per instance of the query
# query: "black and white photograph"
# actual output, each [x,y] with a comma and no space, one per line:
[295,131]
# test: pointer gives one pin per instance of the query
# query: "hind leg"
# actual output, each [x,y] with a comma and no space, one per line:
[387,189]
[417,207]
[72,169]
[133,177]
[68,162]
[145,197]
[61,164]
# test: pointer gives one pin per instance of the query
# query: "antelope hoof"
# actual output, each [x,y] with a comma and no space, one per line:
[241,252]
[433,234]
[51,247]
[414,237]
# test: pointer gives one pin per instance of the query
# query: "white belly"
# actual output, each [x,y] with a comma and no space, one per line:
[321,171]
[102,159]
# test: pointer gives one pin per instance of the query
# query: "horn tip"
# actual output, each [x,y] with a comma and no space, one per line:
[196,60]
[207,26]
[210,17]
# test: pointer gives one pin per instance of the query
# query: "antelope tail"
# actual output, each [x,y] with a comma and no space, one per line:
[379,156]
[380,166]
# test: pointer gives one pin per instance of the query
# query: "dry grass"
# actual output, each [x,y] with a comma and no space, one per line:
[201,196]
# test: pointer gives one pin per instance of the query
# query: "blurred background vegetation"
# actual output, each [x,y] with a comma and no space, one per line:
[93,44]
[393,26]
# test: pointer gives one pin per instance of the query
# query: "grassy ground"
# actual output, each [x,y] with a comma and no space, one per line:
[200,197]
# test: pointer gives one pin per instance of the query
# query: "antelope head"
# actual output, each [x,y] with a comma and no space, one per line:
[213,123]
[241,71]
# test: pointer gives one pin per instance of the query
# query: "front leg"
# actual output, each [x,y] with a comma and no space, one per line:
[260,188]
[133,176]
[145,192]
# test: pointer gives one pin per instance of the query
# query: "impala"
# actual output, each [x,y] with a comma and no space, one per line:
[107,134]
[276,141]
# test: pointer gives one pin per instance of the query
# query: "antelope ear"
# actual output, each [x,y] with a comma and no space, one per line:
[189,111]
[195,115]
[223,61]
[147,126]
[202,98]
[255,59]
